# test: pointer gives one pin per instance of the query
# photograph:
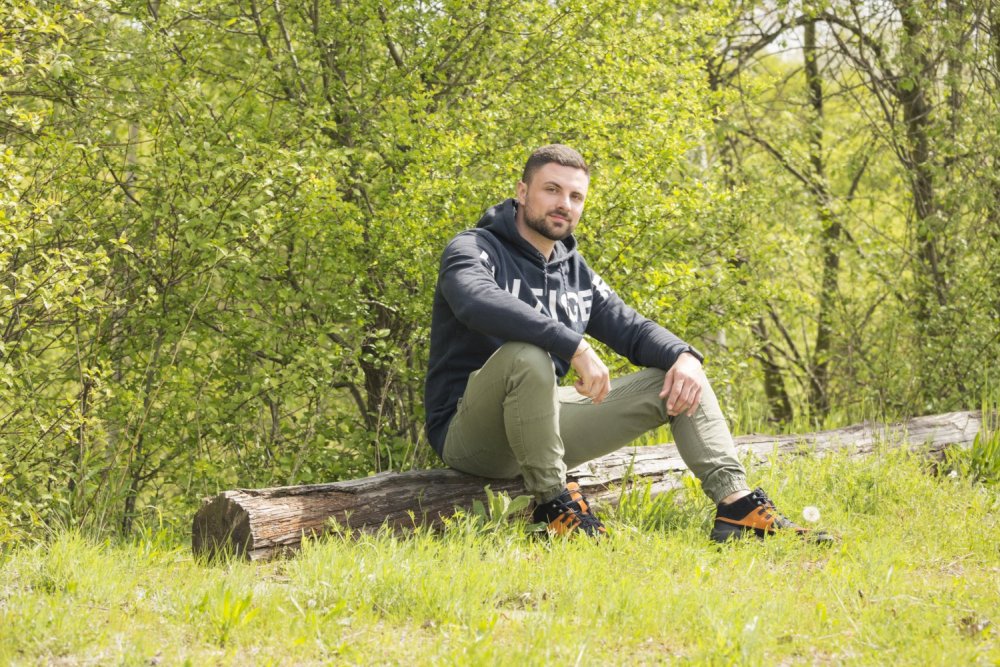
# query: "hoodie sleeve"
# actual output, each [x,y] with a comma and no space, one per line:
[478,302]
[640,340]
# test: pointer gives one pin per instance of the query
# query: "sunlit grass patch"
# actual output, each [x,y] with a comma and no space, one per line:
[914,579]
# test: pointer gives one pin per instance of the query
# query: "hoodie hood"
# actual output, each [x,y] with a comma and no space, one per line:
[500,221]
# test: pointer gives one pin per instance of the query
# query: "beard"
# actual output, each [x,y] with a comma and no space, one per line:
[539,224]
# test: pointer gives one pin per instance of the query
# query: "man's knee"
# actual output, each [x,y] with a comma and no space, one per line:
[528,361]
[649,383]
[651,377]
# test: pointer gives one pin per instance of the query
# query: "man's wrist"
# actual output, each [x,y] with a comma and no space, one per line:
[689,349]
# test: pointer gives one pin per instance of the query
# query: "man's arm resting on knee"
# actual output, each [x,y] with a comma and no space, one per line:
[637,338]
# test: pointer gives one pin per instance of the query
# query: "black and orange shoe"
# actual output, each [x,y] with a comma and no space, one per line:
[567,513]
[755,514]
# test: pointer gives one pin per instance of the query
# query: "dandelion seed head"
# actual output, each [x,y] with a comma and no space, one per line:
[810,514]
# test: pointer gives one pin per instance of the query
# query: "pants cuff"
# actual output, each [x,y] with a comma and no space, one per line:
[723,485]
[549,494]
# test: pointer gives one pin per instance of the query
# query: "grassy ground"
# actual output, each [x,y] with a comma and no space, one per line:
[915,579]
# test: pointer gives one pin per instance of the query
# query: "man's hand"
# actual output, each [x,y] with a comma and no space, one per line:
[682,386]
[594,380]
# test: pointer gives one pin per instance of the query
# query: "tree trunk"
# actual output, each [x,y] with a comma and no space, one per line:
[819,376]
[262,523]
[774,384]
[993,214]
[914,90]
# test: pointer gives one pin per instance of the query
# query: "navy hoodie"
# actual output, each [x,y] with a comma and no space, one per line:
[493,287]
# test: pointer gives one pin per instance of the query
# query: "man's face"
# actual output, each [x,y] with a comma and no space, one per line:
[553,200]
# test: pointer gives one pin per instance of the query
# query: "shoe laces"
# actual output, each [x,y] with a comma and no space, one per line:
[587,519]
[579,512]
[759,498]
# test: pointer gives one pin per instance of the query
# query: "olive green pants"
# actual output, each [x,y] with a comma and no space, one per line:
[515,420]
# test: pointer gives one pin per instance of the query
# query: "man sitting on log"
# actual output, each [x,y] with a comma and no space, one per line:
[514,299]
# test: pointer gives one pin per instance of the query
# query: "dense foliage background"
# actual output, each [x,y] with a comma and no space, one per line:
[220,221]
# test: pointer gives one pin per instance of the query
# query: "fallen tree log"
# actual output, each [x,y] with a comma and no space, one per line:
[262,523]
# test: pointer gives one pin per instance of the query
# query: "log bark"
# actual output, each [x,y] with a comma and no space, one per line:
[263,523]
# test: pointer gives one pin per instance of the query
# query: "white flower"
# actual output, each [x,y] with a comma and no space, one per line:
[810,514]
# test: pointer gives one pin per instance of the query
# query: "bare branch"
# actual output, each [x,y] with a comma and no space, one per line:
[393,49]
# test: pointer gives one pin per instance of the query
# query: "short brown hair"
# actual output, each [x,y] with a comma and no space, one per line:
[558,153]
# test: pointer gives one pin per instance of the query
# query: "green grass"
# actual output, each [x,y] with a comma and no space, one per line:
[915,579]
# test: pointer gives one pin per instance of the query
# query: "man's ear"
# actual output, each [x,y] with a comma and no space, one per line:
[522,192]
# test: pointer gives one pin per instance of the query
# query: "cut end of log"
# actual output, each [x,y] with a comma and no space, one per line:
[222,528]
